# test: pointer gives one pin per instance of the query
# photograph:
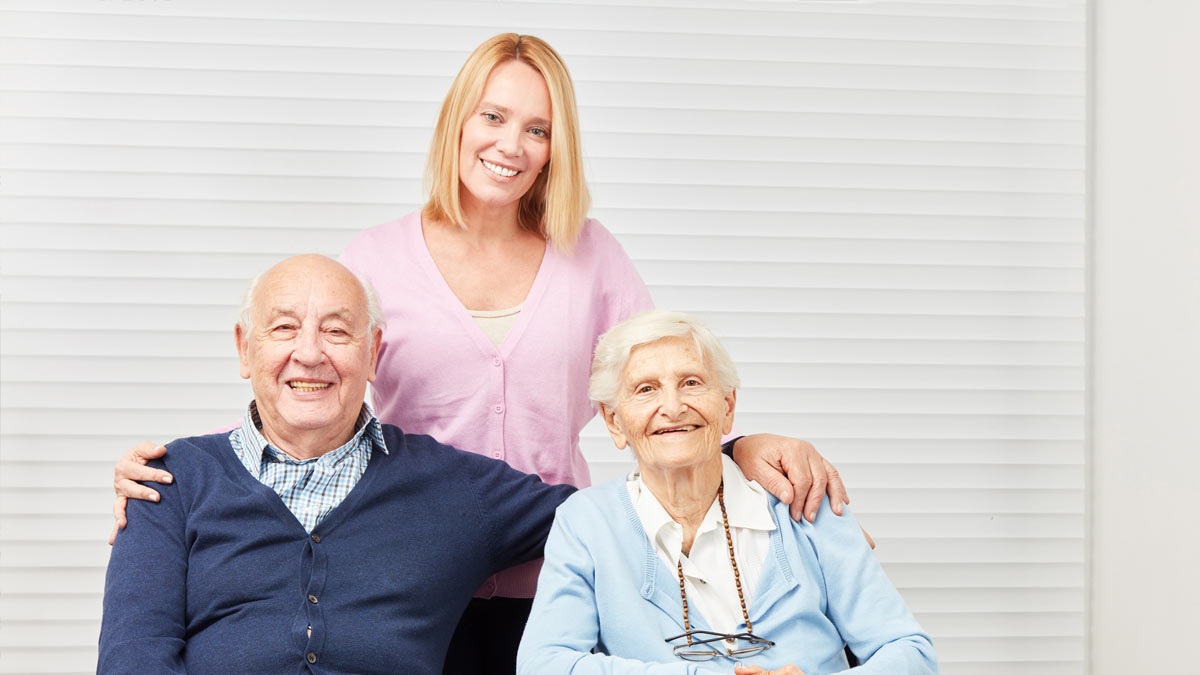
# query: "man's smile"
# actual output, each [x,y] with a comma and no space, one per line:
[298,385]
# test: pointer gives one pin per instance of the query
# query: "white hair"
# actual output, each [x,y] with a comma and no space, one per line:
[614,347]
[375,317]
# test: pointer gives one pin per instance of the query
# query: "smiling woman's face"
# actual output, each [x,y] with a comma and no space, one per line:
[670,407]
[506,141]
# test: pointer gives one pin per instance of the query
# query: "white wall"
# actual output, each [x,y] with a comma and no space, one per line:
[878,205]
[1146,339]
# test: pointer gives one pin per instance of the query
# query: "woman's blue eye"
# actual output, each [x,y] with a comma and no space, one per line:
[491,117]
[537,131]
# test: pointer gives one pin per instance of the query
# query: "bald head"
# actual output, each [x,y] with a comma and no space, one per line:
[308,340]
[302,262]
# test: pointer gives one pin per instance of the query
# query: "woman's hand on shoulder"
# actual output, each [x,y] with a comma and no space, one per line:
[130,469]
[793,471]
[759,670]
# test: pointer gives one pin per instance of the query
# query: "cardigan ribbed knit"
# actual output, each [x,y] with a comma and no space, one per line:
[220,577]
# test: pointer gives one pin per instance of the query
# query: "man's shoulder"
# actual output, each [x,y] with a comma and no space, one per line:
[423,457]
[202,443]
[427,450]
[398,440]
[194,452]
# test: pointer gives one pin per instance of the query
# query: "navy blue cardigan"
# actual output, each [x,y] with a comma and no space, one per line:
[220,576]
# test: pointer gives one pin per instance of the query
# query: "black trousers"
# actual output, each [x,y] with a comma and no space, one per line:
[487,637]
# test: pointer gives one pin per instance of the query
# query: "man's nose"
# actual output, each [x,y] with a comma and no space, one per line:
[309,349]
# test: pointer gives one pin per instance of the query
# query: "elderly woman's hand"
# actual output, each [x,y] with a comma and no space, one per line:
[130,469]
[759,670]
[793,471]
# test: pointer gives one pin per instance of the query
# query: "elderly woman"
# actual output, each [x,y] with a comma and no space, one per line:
[687,567]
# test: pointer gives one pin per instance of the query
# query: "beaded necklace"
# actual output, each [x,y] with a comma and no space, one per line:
[737,579]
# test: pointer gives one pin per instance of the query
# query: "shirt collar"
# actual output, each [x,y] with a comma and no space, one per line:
[745,504]
[367,425]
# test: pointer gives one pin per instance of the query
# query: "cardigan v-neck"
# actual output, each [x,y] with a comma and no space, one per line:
[549,262]
[238,473]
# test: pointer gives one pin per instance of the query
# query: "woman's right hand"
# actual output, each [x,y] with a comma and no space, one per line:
[759,670]
[130,469]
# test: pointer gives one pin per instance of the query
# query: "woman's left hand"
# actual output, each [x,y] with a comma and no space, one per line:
[793,471]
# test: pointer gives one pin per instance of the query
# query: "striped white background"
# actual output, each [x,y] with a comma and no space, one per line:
[879,206]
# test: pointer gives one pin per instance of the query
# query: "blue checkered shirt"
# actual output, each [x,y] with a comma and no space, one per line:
[310,488]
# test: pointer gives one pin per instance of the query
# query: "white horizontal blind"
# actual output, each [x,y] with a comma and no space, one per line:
[878,205]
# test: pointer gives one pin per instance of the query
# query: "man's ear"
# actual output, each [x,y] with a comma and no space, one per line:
[727,421]
[243,347]
[614,429]
[376,342]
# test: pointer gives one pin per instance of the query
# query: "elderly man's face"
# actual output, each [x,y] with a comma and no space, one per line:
[670,406]
[308,354]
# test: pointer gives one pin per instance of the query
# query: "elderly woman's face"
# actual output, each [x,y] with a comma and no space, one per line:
[670,406]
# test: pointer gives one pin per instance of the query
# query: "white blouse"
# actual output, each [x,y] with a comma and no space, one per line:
[707,573]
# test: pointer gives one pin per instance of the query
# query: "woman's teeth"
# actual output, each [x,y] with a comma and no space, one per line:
[499,170]
[674,430]
[308,386]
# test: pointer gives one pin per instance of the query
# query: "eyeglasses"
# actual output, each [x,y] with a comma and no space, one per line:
[704,645]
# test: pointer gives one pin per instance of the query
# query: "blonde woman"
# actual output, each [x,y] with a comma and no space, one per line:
[495,294]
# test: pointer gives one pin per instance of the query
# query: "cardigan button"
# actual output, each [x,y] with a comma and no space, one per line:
[311,657]
[312,598]
[316,538]
[498,409]
[496,362]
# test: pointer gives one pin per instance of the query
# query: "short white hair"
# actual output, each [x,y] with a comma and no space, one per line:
[615,346]
[375,317]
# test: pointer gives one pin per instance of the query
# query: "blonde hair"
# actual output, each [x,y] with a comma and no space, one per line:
[615,346]
[557,203]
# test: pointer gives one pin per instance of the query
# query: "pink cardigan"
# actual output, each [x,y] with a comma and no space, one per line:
[524,402]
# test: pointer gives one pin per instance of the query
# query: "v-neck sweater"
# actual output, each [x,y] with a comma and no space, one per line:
[220,577]
[524,401]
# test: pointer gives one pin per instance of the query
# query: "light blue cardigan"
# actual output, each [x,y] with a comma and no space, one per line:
[604,588]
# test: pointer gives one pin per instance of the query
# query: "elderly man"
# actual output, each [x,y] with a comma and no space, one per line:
[312,536]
